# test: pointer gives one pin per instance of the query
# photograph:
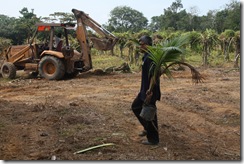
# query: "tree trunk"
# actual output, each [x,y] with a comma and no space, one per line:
[237,53]
[226,51]
[236,61]
[136,56]
[131,58]
[205,54]
[112,52]
[121,51]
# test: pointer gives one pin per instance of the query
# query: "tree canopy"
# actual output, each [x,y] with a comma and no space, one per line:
[124,18]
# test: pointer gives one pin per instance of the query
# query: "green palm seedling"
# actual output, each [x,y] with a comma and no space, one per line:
[164,56]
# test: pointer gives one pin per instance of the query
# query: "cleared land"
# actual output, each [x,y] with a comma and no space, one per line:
[40,119]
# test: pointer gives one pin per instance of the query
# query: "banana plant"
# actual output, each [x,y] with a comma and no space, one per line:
[164,56]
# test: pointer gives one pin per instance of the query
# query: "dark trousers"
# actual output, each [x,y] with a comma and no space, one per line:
[150,126]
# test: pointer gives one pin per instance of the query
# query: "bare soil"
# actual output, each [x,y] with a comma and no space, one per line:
[41,119]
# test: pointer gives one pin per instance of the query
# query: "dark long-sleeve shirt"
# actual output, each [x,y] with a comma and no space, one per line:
[145,80]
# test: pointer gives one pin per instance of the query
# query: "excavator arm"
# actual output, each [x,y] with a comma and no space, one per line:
[105,42]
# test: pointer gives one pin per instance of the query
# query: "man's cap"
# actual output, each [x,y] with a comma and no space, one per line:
[146,39]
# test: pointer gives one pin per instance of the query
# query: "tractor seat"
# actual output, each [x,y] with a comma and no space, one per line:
[59,46]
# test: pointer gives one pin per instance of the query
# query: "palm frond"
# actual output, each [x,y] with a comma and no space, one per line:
[172,54]
[196,76]
[179,41]
[163,55]
[170,51]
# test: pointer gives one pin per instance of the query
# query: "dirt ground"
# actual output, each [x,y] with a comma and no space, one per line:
[44,120]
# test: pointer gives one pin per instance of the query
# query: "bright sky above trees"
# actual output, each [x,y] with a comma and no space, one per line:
[100,9]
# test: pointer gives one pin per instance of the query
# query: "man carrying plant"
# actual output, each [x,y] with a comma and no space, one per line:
[147,97]
[157,60]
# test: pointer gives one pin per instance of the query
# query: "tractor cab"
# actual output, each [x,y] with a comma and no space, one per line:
[54,41]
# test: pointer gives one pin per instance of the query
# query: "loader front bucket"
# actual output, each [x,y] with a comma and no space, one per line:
[103,43]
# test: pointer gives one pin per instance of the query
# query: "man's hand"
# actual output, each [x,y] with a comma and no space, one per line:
[149,96]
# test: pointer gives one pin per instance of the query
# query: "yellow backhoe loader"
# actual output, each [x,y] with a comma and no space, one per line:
[60,61]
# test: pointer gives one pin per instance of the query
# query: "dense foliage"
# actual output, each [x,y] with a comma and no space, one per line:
[125,19]
[217,31]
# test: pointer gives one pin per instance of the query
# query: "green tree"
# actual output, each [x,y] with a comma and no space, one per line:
[123,19]
[156,23]
[7,27]
[171,16]
[183,22]
[237,43]
[229,18]
[220,19]
[233,19]
[195,22]
[175,6]
[175,17]
[195,41]
[25,26]
[4,43]
[209,39]
[61,17]
[207,22]
[123,38]
[226,39]
[170,19]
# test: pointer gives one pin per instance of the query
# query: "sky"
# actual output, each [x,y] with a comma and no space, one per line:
[99,10]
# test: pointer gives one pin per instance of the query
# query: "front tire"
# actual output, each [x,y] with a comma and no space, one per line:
[51,68]
[8,70]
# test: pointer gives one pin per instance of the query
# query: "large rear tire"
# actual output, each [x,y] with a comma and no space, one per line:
[51,68]
[8,70]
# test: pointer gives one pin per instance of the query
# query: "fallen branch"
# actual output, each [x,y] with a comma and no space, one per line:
[93,147]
